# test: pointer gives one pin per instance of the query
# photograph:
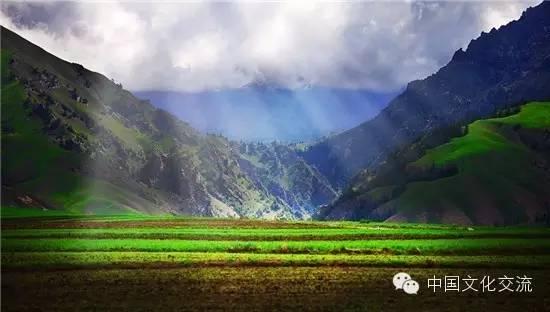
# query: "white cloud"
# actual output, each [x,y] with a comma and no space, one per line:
[197,46]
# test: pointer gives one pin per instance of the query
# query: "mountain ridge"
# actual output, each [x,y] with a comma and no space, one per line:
[502,68]
[77,141]
[496,172]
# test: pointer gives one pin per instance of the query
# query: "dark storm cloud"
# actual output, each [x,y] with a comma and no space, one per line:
[52,15]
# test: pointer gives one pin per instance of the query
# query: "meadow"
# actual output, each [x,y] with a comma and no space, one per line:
[55,262]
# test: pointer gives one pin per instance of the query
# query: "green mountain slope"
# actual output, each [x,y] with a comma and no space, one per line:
[497,173]
[76,141]
[498,70]
[38,166]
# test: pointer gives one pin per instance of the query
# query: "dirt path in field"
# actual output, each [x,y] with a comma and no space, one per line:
[258,289]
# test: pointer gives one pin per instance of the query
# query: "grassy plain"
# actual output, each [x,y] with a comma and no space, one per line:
[135,262]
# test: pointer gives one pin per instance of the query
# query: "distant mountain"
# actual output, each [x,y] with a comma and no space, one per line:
[496,172]
[500,69]
[269,113]
[74,140]
[279,170]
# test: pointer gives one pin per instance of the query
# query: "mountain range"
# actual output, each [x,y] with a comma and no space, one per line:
[468,144]
[74,140]
[263,113]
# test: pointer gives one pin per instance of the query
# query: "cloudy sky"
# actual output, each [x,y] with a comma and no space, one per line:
[209,46]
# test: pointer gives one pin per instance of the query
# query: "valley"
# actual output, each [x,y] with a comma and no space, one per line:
[103,151]
[78,143]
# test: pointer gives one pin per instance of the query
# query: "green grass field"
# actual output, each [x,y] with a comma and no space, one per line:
[96,263]
[53,240]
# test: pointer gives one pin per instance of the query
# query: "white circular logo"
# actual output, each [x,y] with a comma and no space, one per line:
[399,279]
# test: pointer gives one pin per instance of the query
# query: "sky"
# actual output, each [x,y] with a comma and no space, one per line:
[192,47]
